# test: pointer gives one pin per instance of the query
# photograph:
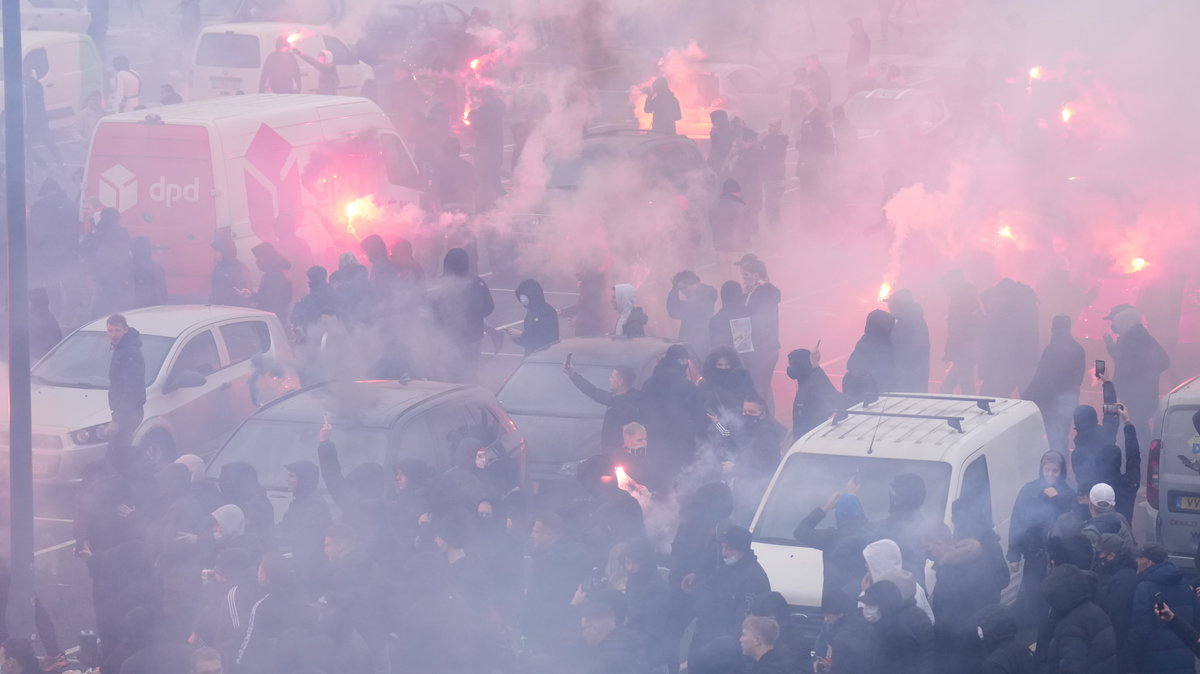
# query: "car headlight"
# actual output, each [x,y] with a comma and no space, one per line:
[90,435]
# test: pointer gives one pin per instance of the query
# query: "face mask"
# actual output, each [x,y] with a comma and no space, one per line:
[980,630]
[751,418]
[730,561]
[480,462]
[871,613]
[523,300]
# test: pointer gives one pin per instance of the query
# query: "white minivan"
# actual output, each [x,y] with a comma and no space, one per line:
[979,449]
[1172,506]
[66,15]
[199,363]
[228,59]
[69,68]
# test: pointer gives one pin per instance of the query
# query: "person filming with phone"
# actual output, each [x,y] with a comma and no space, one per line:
[1153,645]
[1091,434]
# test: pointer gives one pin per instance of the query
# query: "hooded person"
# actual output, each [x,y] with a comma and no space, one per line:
[1003,653]
[1139,363]
[663,107]
[359,495]
[302,529]
[1082,637]
[872,366]
[540,327]
[672,410]
[725,383]
[206,493]
[1091,435]
[731,325]
[1056,381]
[109,263]
[229,275]
[905,523]
[1153,646]
[149,280]
[1039,503]
[229,527]
[320,300]
[461,304]
[692,302]
[239,485]
[469,471]
[631,320]
[1117,570]
[905,632]
[842,545]
[725,594]
[1122,473]
[816,397]
[910,343]
[965,585]
[383,274]
[274,292]
[884,563]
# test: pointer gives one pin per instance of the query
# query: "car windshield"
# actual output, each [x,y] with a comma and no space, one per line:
[568,174]
[269,444]
[81,360]
[228,50]
[808,479]
[544,389]
[874,113]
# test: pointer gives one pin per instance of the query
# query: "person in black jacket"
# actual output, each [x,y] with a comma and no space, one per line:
[1090,435]
[274,292]
[1005,655]
[759,636]
[1186,632]
[910,342]
[624,402]
[1056,382]
[762,305]
[302,529]
[853,641]
[540,328]
[149,280]
[1140,362]
[228,275]
[1108,465]
[872,366]
[1038,505]
[44,331]
[965,585]
[461,304]
[1082,638]
[239,485]
[905,633]
[816,397]
[725,593]
[731,325]
[1117,570]
[608,647]
[672,410]
[691,303]
[126,387]
[1153,646]
[725,383]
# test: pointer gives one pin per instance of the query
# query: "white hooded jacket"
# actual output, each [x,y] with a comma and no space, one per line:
[884,562]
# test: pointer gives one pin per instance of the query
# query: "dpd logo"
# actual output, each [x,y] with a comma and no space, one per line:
[118,188]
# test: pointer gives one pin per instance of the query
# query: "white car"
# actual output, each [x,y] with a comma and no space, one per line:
[199,362]
[70,71]
[65,15]
[228,59]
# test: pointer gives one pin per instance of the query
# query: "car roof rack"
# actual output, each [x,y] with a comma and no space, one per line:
[954,422]
[984,404]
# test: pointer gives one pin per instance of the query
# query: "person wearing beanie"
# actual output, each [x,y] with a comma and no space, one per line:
[724,594]
[1055,385]
[1139,361]
[320,300]
[816,397]
[1005,655]
[1154,647]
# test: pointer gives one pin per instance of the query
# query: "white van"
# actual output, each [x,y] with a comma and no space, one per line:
[68,15]
[962,447]
[70,69]
[1172,506]
[228,59]
[181,174]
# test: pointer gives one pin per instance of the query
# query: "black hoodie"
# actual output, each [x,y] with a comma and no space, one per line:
[872,366]
[816,397]
[1083,639]
[463,300]
[1005,655]
[307,518]
[127,373]
[540,328]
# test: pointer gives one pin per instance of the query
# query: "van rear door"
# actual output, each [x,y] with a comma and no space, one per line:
[160,177]
[226,63]
[1179,482]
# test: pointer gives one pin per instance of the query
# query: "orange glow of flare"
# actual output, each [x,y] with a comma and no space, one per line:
[293,38]
[885,291]
[1135,265]
[359,209]
[623,479]
[1005,232]
[1067,114]
[475,65]
[1035,73]
[466,116]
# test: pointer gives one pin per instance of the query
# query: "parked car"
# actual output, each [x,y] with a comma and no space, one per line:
[1171,511]
[199,362]
[65,15]
[671,167]
[379,421]
[228,58]
[876,113]
[561,424]
[69,69]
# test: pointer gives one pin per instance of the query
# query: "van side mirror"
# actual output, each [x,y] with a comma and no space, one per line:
[184,379]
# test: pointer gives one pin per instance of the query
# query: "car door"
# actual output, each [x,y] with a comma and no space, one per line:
[194,412]
[63,81]
[243,340]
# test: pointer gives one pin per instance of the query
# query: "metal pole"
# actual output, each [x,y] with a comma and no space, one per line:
[20,424]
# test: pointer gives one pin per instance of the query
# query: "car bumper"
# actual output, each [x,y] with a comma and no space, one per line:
[59,465]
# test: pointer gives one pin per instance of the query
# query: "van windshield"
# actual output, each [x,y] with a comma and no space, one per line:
[807,480]
[81,360]
[269,444]
[228,50]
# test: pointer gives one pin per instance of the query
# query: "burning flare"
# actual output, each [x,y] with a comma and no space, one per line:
[1006,232]
[359,209]
[885,291]
[294,37]
[622,477]
[1135,265]
[475,65]
[1035,73]
[1067,114]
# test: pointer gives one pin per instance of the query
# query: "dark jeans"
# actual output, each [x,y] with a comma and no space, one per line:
[120,445]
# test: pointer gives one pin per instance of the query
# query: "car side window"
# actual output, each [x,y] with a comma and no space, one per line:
[976,495]
[198,355]
[38,61]
[245,339]
[341,53]
[401,169]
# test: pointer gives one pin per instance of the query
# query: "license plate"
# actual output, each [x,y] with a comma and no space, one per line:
[1189,504]
[225,82]
[44,466]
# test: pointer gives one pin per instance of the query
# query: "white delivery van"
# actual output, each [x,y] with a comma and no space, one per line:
[228,59]
[974,448]
[1171,511]
[70,70]
[181,174]
[68,15]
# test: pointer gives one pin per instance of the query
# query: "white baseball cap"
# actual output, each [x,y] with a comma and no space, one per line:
[1102,495]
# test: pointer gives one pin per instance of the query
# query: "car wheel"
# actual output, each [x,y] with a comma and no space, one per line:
[158,448]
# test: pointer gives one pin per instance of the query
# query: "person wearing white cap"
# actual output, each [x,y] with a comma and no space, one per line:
[1102,501]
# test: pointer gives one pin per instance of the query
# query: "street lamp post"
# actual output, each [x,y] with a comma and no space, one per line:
[20,424]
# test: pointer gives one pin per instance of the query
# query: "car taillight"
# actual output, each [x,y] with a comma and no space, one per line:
[1152,466]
